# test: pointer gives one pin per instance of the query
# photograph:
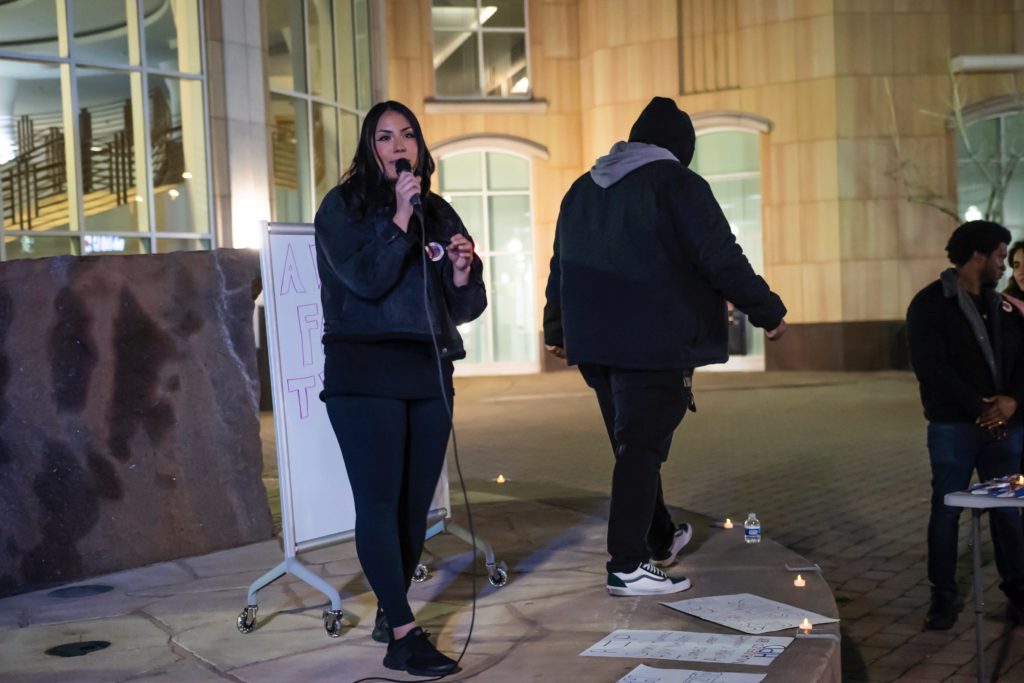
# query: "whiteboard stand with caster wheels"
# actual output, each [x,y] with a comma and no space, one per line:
[317,510]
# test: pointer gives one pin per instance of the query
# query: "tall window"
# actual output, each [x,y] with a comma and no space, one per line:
[319,75]
[480,48]
[731,163]
[998,142]
[103,141]
[491,193]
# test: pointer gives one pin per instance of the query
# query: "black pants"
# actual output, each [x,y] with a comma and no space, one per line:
[641,410]
[394,451]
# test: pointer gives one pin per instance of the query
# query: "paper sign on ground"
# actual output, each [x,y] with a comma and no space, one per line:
[690,647]
[648,674]
[748,613]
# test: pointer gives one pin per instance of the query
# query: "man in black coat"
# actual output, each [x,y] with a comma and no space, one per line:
[644,261]
[965,346]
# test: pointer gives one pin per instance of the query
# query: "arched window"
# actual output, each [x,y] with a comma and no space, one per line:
[490,190]
[997,139]
[730,160]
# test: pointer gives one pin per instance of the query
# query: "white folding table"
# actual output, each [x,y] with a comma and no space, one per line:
[978,504]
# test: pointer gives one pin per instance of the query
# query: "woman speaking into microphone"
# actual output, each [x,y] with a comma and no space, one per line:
[390,316]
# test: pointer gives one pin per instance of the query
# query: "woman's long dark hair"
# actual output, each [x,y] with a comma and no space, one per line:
[364,186]
[1012,288]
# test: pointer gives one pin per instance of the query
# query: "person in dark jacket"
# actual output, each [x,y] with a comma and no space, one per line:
[966,343]
[390,316]
[644,261]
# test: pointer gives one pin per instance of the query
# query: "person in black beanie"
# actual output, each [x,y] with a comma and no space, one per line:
[644,261]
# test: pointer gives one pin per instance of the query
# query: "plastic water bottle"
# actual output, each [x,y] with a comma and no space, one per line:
[752,529]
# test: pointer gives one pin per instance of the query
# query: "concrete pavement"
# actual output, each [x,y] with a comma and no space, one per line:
[835,466]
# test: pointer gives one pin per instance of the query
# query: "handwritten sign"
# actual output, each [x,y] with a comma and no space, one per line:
[748,613]
[690,647]
[648,674]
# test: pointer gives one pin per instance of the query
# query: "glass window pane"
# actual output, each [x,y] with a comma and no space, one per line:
[984,138]
[114,244]
[1013,202]
[105,127]
[511,228]
[471,211]
[1014,131]
[507,172]
[31,246]
[505,64]
[33,171]
[455,63]
[347,65]
[100,30]
[728,152]
[29,26]
[454,15]
[973,190]
[178,139]
[511,296]
[503,14]
[172,35]
[286,65]
[461,172]
[167,246]
[474,339]
[290,141]
[362,31]
[325,148]
[349,138]
[321,49]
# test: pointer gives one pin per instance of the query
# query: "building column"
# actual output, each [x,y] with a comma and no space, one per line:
[239,141]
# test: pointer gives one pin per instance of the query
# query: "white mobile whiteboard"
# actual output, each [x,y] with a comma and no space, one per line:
[316,497]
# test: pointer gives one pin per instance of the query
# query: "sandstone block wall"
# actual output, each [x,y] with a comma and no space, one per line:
[129,427]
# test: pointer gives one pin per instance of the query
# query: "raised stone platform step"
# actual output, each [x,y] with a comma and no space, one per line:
[175,621]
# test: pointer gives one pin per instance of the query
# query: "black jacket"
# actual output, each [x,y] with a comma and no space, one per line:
[371,276]
[949,359]
[643,264]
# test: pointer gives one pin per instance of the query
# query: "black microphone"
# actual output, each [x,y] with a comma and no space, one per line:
[403,166]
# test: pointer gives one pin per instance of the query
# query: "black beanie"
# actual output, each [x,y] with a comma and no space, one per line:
[662,123]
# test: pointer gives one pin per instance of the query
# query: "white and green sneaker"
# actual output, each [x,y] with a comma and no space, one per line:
[645,580]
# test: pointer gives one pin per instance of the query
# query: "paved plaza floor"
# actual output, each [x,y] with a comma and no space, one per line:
[834,465]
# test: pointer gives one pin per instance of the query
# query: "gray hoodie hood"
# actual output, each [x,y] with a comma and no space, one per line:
[624,158]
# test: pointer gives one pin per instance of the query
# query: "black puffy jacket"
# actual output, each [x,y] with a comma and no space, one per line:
[643,265]
[371,276]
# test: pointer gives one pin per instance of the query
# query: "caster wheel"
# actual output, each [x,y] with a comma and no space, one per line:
[246,621]
[332,622]
[499,576]
[421,574]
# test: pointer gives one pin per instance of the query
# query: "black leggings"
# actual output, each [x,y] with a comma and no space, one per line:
[394,451]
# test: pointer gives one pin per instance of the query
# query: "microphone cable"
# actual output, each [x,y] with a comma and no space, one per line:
[448,402]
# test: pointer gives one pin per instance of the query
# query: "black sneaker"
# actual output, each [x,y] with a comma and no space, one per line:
[381,630]
[416,655]
[942,613]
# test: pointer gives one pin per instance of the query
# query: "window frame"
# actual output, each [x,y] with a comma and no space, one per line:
[309,99]
[481,146]
[138,72]
[479,32]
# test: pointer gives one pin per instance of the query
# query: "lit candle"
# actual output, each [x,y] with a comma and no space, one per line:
[805,625]
[799,581]
[728,523]
[500,479]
